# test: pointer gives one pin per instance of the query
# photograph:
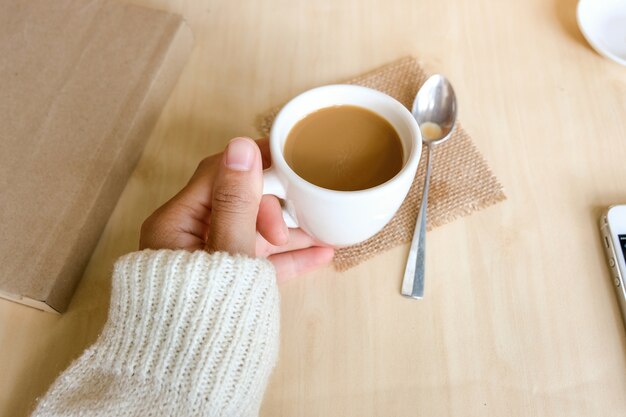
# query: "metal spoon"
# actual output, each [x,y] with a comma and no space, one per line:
[435,111]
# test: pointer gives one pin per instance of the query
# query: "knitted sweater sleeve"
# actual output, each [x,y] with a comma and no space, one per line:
[188,334]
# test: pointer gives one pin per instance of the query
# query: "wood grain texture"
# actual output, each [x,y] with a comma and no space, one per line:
[519,319]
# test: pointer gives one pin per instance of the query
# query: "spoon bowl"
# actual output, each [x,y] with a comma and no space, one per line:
[435,104]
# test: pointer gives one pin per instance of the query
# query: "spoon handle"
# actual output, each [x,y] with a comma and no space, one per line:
[413,281]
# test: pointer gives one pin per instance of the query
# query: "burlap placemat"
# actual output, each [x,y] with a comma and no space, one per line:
[461,181]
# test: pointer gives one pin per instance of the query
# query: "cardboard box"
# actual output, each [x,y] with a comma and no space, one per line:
[82,84]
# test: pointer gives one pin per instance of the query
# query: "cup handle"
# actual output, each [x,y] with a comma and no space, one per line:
[273,186]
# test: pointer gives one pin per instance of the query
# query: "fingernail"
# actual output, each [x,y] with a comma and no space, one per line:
[239,154]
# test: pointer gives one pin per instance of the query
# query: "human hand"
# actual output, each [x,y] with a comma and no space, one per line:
[222,209]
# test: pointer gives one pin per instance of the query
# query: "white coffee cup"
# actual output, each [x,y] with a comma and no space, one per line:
[341,218]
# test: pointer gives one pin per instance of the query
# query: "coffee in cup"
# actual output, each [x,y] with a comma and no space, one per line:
[344,148]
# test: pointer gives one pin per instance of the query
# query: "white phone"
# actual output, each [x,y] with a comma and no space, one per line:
[613,228]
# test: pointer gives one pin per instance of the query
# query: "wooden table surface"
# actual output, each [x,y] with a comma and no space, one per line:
[520,317]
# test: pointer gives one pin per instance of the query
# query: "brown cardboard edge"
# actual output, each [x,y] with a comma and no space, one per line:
[170,65]
[27,301]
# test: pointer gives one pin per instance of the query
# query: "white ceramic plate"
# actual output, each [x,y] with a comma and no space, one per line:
[603,23]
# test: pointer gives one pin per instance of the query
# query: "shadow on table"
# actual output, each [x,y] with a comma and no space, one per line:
[565,11]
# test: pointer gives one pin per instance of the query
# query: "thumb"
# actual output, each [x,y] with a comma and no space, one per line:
[236,197]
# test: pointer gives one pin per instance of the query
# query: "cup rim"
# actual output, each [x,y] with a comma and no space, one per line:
[413,157]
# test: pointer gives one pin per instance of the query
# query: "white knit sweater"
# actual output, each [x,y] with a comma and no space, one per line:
[188,334]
